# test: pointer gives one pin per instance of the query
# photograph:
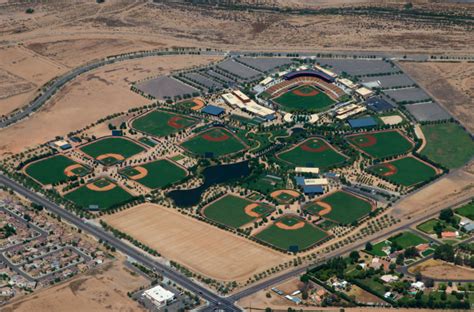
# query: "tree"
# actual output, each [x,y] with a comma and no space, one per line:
[369,246]
[446,214]
[29,11]
[411,252]
[354,255]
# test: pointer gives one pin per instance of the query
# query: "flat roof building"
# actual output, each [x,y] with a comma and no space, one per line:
[364,92]
[159,296]
[320,181]
[364,122]
[307,170]
[378,104]
[313,189]
[347,83]
[242,96]
[213,110]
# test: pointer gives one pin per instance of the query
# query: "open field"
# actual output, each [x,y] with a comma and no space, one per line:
[291,232]
[156,174]
[405,171]
[55,169]
[199,246]
[313,152]
[101,193]
[447,144]
[111,150]
[214,142]
[443,270]
[161,123]
[407,239]
[381,144]
[450,84]
[304,98]
[235,211]
[340,206]
[105,286]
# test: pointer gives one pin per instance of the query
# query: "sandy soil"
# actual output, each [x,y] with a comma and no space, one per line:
[102,289]
[451,84]
[201,247]
[90,97]
[443,270]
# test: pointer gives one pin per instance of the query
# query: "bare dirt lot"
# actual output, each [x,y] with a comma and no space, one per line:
[90,97]
[451,84]
[199,246]
[439,269]
[104,288]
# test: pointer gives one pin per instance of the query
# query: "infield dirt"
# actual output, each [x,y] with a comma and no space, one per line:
[201,247]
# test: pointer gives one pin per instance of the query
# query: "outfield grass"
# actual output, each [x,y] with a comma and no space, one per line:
[160,123]
[284,239]
[161,173]
[346,208]
[407,239]
[229,210]
[202,146]
[447,144]
[291,102]
[114,145]
[386,143]
[303,156]
[466,211]
[84,197]
[410,171]
[51,170]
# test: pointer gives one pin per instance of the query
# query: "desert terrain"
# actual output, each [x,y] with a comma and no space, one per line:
[103,288]
[443,270]
[201,247]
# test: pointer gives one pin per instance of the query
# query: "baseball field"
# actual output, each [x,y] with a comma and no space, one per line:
[313,152]
[235,211]
[112,150]
[304,98]
[285,196]
[156,174]
[214,142]
[55,169]
[341,207]
[161,123]
[381,144]
[447,144]
[102,193]
[405,171]
[291,232]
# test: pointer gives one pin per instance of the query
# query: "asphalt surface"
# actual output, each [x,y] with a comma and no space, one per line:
[215,301]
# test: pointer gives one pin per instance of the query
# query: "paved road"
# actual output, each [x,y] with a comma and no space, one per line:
[223,303]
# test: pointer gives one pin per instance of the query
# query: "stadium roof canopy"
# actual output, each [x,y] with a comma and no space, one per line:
[309,72]
[213,110]
[378,104]
[362,122]
[313,189]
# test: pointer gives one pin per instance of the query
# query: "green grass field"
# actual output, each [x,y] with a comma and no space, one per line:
[381,144]
[161,173]
[84,197]
[51,170]
[408,171]
[447,144]
[428,226]
[407,239]
[466,211]
[313,152]
[304,101]
[114,145]
[229,210]
[147,141]
[161,123]
[264,183]
[214,142]
[346,208]
[304,237]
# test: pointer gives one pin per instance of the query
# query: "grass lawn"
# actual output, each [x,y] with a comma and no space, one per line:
[466,211]
[161,123]
[265,183]
[407,239]
[230,210]
[447,144]
[381,144]
[283,239]
[428,226]
[377,249]
[346,208]
[313,152]
[373,283]
[85,197]
[405,171]
[214,142]
[161,173]
[112,145]
[147,141]
[51,170]
[304,98]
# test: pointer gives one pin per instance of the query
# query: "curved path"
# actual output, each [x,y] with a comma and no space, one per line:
[53,86]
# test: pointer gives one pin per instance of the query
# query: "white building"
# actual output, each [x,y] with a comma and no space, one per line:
[307,170]
[364,92]
[159,296]
[326,71]
[266,81]
[389,278]
[320,181]
[418,285]
[347,83]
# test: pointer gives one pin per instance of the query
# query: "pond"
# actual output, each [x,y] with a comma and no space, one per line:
[212,176]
